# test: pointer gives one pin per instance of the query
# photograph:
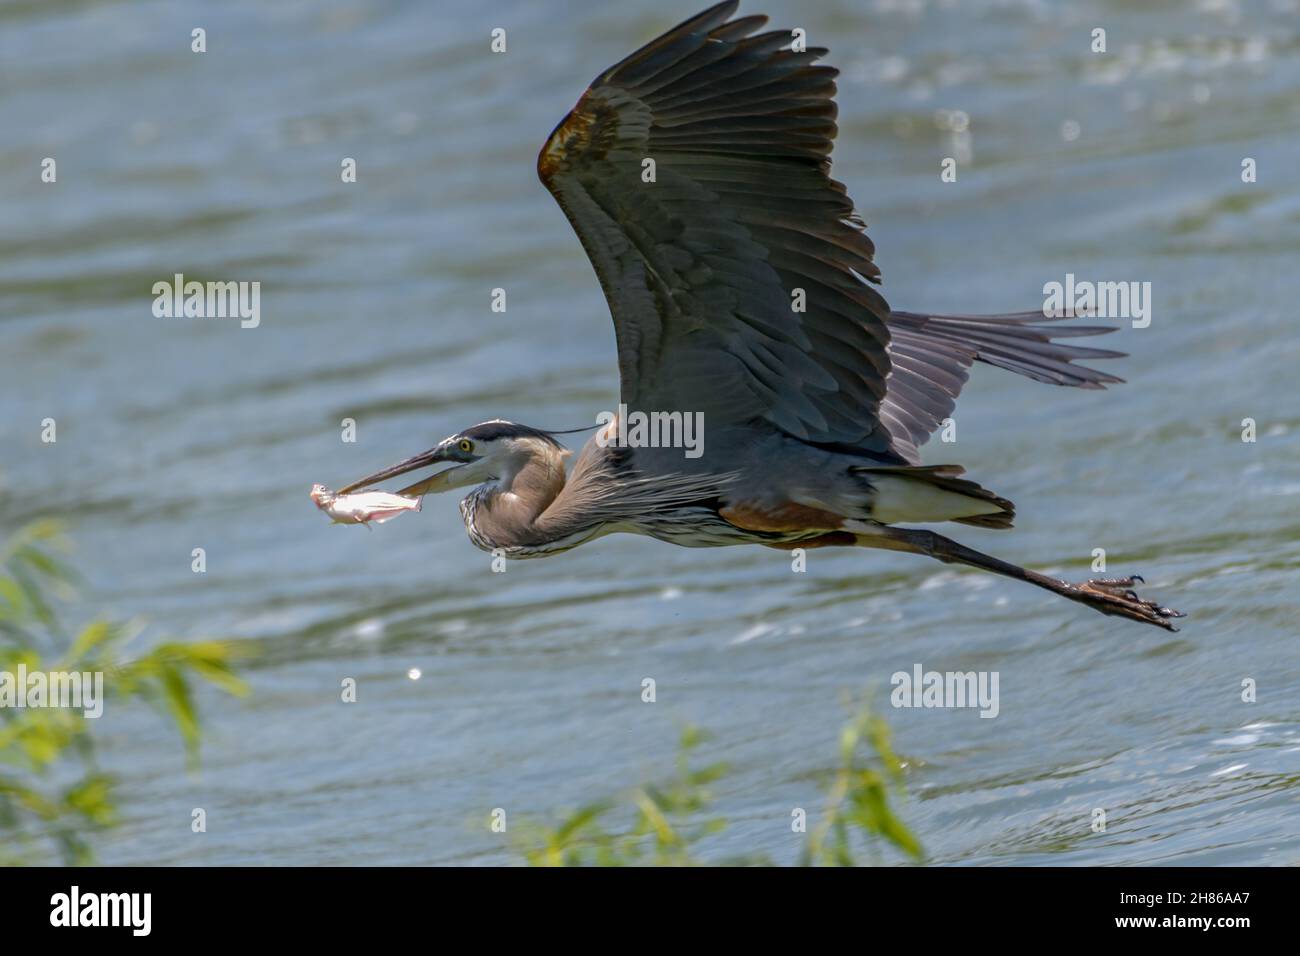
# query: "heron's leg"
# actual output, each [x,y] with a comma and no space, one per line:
[1107,595]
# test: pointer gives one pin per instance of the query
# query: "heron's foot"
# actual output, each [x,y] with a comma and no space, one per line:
[1116,596]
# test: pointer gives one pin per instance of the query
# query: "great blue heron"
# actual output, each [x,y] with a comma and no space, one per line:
[813,416]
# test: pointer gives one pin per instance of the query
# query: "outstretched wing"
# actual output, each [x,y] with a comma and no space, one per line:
[695,175]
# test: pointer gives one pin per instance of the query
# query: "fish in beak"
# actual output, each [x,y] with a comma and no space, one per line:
[362,508]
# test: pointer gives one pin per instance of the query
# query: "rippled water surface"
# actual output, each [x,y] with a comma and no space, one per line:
[176,434]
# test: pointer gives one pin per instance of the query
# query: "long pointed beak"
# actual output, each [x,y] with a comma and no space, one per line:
[422,460]
[443,481]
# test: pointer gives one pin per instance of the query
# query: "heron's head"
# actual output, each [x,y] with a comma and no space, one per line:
[493,451]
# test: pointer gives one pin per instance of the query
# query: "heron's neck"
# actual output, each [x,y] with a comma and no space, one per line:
[506,513]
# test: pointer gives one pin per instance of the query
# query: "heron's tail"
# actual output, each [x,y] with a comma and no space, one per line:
[933,493]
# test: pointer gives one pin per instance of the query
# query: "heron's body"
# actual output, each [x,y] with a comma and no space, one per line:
[741,283]
[701,507]
[686,513]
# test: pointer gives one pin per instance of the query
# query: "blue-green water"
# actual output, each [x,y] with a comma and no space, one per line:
[175,434]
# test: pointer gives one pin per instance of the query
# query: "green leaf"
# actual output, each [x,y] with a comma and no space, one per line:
[15,604]
[91,636]
[92,799]
[180,703]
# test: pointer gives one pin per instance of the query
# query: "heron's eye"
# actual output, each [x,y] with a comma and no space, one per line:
[465,445]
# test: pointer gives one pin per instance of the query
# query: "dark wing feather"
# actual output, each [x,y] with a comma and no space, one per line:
[931,354]
[699,266]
